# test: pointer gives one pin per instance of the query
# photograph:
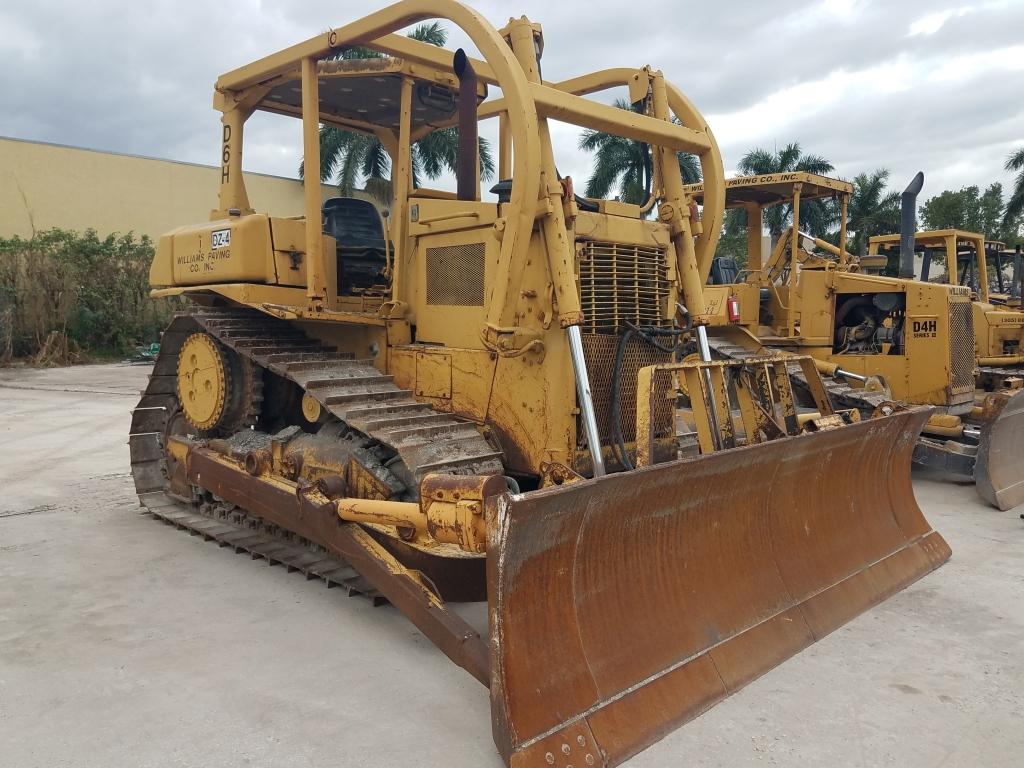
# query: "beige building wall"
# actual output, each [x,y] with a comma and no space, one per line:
[49,185]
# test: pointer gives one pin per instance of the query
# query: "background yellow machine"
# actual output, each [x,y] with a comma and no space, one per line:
[422,413]
[998,325]
[812,297]
[997,318]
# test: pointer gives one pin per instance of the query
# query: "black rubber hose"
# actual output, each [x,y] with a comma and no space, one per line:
[650,334]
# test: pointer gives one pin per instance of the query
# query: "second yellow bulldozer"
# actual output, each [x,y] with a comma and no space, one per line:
[998,331]
[875,336]
[421,412]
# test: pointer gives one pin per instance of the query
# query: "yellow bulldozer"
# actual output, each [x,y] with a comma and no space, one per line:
[417,408]
[875,336]
[997,319]
[998,325]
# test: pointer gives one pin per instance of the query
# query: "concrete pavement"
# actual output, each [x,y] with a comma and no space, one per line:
[126,643]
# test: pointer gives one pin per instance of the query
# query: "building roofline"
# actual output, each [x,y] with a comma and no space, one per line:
[141,157]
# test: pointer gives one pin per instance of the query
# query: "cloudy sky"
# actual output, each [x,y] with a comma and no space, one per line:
[935,85]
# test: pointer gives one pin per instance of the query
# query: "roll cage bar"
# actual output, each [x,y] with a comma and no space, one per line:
[510,62]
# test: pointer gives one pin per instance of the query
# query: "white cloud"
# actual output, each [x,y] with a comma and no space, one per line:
[842,77]
[975,66]
[933,22]
[815,98]
[843,9]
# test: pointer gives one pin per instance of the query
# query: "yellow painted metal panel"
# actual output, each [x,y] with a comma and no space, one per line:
[433,374]
[289,239]
[403,367]
[223,251]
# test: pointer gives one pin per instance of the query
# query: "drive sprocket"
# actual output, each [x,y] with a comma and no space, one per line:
[218,390]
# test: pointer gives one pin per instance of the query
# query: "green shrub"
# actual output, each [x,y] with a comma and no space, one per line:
[79,293]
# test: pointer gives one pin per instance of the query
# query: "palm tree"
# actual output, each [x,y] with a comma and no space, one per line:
[871,210]
[1015,207]
[624,167]
[815,215]
[353,159]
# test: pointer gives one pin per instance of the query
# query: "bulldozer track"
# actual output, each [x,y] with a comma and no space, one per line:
[842,395]
[422,439]
[231,527]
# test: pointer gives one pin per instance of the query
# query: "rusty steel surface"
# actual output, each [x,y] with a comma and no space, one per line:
[621,608]
[998,474]
[320,524]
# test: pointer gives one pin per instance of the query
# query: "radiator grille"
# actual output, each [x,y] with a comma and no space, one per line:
[455,275]
[619,283]
[599,351]
[961,345]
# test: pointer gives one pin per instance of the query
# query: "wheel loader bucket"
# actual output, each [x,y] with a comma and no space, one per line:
[999,468]
[624,606]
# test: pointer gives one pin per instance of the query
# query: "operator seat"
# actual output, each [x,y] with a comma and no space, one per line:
[724,270]
[358,231]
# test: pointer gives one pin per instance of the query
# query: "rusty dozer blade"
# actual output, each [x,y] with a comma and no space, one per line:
[999,467]
[624,606]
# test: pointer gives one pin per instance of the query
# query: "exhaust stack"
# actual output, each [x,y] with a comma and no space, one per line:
[467,173]
[908,225]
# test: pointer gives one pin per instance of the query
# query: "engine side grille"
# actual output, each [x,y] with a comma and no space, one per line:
[621,282]
[599,351]
[961,345]
[455,275]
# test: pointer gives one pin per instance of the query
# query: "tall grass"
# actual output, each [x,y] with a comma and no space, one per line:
[70,297]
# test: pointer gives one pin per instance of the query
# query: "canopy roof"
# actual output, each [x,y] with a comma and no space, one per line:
[774,189]
[364,94]
[934,238]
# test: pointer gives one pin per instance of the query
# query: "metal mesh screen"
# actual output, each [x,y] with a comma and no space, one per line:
[455,275]
[599,351]
[621,282]
[961,344]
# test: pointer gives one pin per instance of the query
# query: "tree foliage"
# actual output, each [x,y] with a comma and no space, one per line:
[90,291]
[623,167]
[816,216]
[972,210]
[733,240]
[872,210]
[1014,212]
